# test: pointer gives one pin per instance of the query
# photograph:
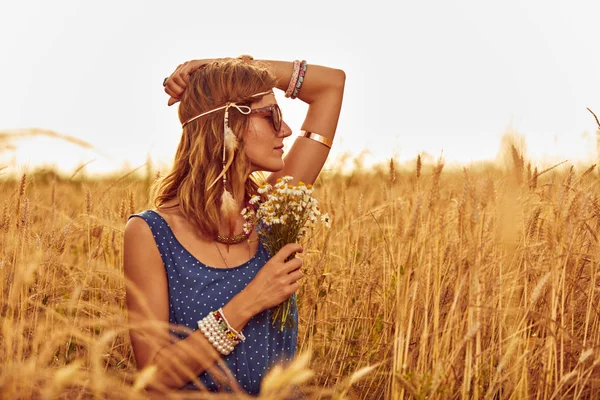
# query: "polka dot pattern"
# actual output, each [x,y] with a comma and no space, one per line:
[195,289]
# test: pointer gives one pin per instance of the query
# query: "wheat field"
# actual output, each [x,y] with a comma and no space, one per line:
[438,283]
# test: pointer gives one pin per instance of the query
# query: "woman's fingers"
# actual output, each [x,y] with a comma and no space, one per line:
[295,276]
[173,89]
[180,80]
[294,287]
[176,83]
[287,251]
[293,265]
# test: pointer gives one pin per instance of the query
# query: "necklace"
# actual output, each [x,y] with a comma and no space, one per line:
[235,239]
[239,238]
[223,258]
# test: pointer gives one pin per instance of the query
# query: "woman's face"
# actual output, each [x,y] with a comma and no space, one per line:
[261,140]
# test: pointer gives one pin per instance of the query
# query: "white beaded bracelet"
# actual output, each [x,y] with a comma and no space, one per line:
[213,332]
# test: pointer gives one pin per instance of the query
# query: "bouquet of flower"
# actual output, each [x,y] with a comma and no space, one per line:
[286,216]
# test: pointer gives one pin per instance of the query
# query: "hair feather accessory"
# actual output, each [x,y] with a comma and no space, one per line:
[229,145]
[230,139]
[231,142]
[228,204]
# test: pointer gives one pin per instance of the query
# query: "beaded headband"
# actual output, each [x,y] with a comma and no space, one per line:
[229,144]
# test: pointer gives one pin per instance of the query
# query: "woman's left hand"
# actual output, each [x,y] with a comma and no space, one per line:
[175,84]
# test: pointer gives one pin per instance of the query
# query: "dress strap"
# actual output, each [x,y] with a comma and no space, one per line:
[160,230]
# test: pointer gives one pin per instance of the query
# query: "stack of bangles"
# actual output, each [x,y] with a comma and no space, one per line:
[293,90]
[297,79]
[219,332]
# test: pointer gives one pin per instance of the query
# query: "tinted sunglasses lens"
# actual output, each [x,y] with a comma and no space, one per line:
[276,117]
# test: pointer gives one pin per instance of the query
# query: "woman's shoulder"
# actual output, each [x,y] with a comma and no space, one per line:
[167,212]
[145,219]
[150,222]
[139,232]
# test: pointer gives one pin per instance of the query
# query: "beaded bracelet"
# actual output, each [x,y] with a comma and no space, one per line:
[300,79]
[215,335]
[217,331]
[293,78]
[220,316]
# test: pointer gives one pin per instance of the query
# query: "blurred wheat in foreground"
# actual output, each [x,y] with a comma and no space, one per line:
[480,282]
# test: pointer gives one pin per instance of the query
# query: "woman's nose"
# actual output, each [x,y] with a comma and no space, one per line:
[285,130]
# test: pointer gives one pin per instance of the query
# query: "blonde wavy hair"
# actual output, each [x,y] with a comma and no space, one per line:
[198,160]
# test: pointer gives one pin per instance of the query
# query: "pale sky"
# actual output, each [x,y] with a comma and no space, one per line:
[429,76]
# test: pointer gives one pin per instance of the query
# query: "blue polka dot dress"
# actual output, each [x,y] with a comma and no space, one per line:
[195,289]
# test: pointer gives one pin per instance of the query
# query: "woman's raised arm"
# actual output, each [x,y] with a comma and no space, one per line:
[322,89]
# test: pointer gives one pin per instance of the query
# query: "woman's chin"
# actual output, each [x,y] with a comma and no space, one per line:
[276,166]
[270,167]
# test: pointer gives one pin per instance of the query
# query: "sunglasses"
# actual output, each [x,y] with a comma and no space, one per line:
[275,114]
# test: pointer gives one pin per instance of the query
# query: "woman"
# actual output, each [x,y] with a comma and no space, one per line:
[187,262]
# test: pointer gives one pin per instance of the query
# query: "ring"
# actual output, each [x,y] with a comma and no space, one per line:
[165,81]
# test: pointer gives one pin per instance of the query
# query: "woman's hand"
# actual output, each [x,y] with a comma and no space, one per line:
[175,84]
[277,280]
